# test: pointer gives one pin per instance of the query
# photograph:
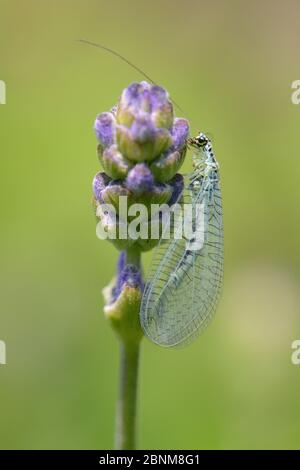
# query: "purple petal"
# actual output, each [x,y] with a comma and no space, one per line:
[114,163]
[140,179]
[158,97]
[142,129]
[180,132]
[144,95]
[105,128]
[129,275]
[132,95]
[100,182]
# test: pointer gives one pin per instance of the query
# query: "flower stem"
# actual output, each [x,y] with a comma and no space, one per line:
[133,257]
[126,409]
[129,362]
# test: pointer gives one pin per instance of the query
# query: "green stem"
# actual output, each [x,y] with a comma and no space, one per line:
[133,257]
[129,362]
[126,410]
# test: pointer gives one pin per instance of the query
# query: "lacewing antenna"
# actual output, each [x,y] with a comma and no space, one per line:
[115,53]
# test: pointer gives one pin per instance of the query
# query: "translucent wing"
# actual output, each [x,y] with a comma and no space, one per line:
[183,285]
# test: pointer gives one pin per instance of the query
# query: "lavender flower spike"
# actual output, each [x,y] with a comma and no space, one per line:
[141,146]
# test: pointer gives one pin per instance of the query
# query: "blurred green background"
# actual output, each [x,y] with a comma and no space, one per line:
[230,66]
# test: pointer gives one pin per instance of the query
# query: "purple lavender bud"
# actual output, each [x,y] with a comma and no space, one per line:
[144,116]
[100,181]
[140,179]
[134,95]
[180,132]
[160,194]
[145,100]
[127,146]
[112,193]
[125,116]
[161,108]
[143,130]
[129,275]
[158,96]
[144,143]
[105,129]
[163,116]
[166,166]
[163,141]
[113,162]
